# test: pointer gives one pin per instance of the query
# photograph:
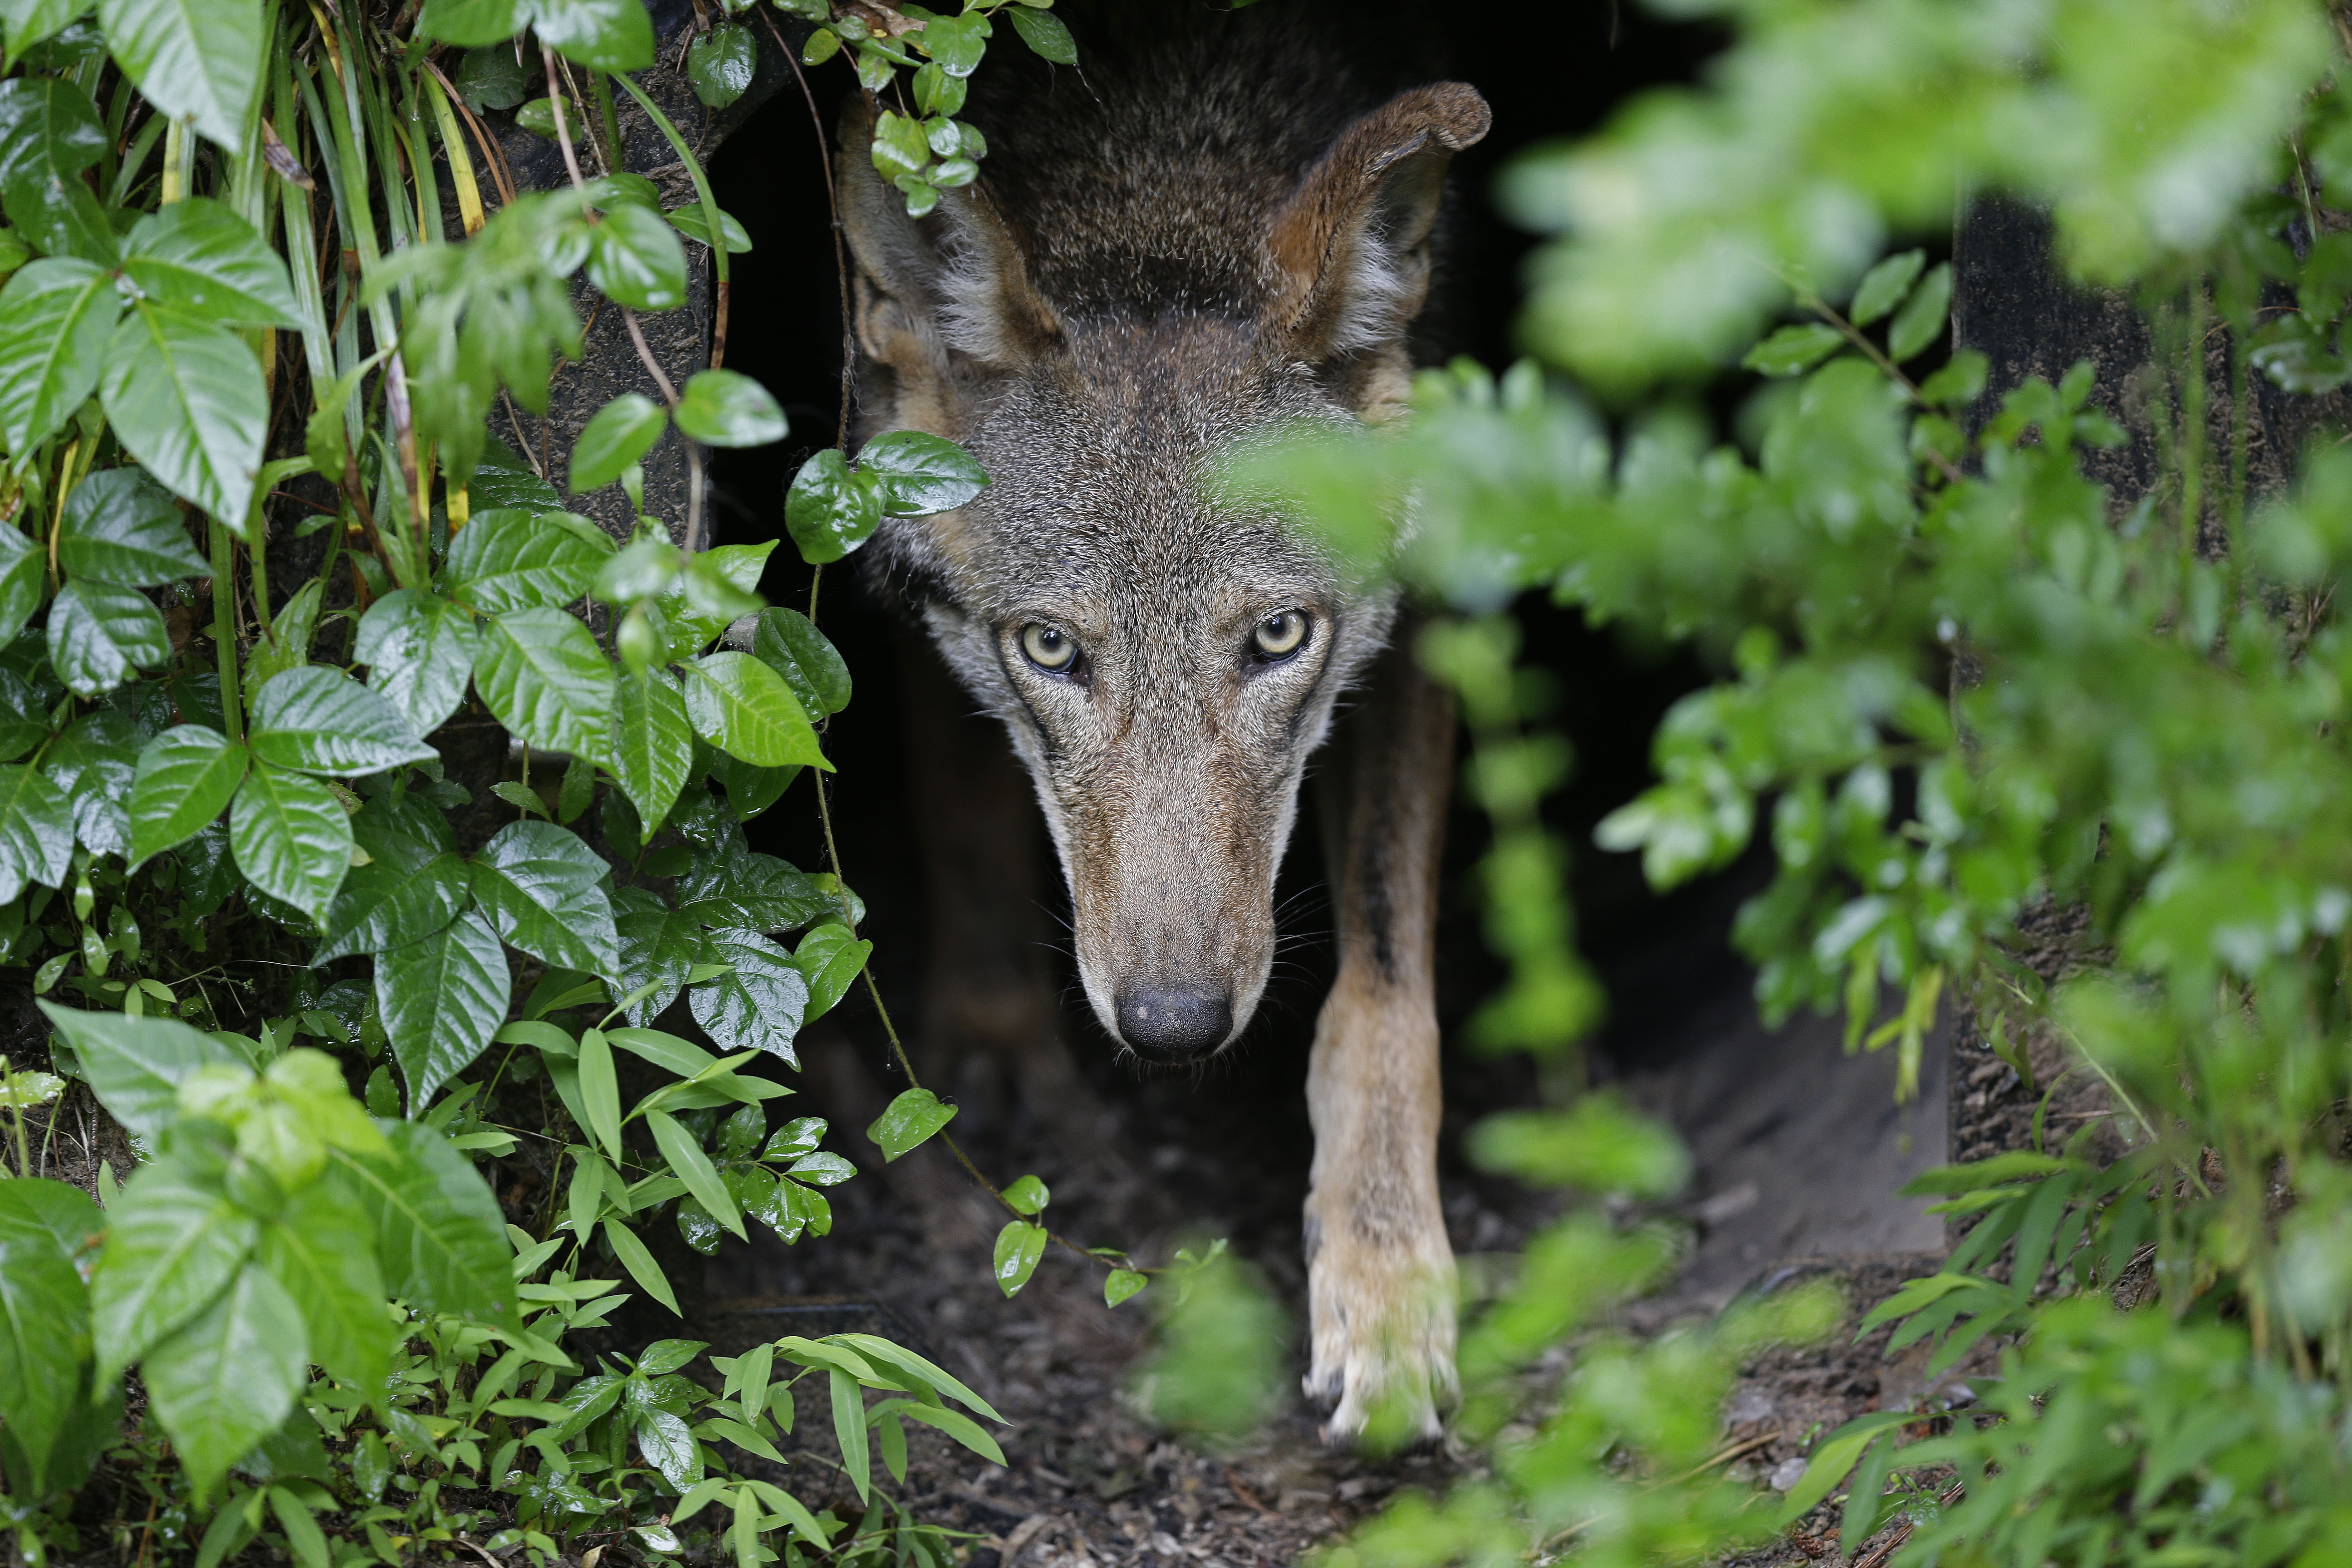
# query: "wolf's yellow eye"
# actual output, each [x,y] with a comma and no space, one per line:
[1280,636]
[1048,647]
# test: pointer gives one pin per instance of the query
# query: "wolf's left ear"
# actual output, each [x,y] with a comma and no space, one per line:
[1351,246]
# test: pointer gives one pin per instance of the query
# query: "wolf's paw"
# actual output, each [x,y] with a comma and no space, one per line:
[1383,1340]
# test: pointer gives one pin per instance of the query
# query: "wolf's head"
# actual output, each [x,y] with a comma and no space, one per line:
[1125,300]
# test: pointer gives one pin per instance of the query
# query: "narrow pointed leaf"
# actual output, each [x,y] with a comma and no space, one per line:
[694,1168]
[651,745]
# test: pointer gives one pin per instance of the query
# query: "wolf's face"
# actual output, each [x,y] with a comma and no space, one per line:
[1164,655]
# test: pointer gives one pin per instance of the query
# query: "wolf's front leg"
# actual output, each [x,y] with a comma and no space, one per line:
[1380,1269]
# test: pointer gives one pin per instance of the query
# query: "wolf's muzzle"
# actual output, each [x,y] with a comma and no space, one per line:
[1173,1021]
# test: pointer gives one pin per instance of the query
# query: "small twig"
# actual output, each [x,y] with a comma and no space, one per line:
[646,357]
[1724,1457]
[564,131]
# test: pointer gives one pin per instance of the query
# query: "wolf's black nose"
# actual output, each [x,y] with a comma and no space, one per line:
[1174,1021]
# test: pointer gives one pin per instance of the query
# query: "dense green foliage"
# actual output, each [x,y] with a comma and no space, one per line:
[337,988]
[1964,687]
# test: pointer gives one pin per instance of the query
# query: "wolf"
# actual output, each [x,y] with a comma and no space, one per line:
[1221,227]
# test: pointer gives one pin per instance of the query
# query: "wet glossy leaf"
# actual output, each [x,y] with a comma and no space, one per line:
[920,474]
[230,1377]
[384,905]
[508,559]
[542,675]
[721,63]
[692,1166]
[37,832]
[688,221]
[136,1066]
[122,527]
[788,643]
[419,649]
[441,998]
[1028,1195]
[174,1241]
[338,1287]
[727,408]
[1019,1246]
[49,133]
[604,34]
[101,636]
[634,256]
[56,315]
[440,1238]
[659,947]
[44,1312]
[186,779]
[744,708]
[319,720]
[651,743]
[1044,33]
[292,838]
[201,59]
[198,257]
[831,957]
[490,76]
[185,397]
[1121,1283]
[912,1118]
[617,434]
[541,886]
[759,1006]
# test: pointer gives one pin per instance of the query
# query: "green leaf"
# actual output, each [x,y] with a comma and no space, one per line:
[440,1240]
[830,958]
[135,1066]
[849,1428]
[419,649]
[21,582]
[831,510]
[920,474]
[174,1240]
[186,398]
[442,997]
[187,777]
[541,886]
[1832,1458]
[50,132]
[292,838]
[231,1377]
[199,257]
[1922,318]
[1121,1283]
[318,720]
[604,34]
[651,743]
[1885,284]
[721,63]
[599,1092]
[1045,33]
[788,643]
[617,434]
[688,221]
[56,315]
[899,146]
[1794,350]
[507,559]
[542,675]
[1019,1246]
[122,527]
[759,1006]
[337,1286]
[44,1317]
[908,1121]
[635,258]
[489,77]
[488,24]
[1027,1196]
[101,635]
[727,408]
[660,947]
[37,832]
[29,21]
[94,762]
[956,1424]
[199,58]
[692,603]
[742,706]
[639,1261]
[291,632]
[693,1167]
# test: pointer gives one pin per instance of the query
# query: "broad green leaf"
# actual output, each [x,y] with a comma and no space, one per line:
[541,888]
[908,1121]
[198,257]
[37,832]
[830,958]
[692,603]
[1883,287]
[290,837]
[727,408]
[1047,34]
[483,24]
[29,21]
[688,220]
[899,146]
[100,635]
[693,1167]
[604,34]
[731,885]
[1019,1246]
[135,1066]
[231,1377]
[1832,1458]
[668,1446]
[185,397]
[651,745]
[44,1318]
[831,509]
[490,78]
[788,643]
[617,434]
[719,64]
[1922,316]
[920,474]
[50,132]
[440,1240]
[419,649]
[442,997]
[186,778]
[56,315]
[338,1287]
[291,632]
[542,675]
[122,527]
[1027,1196]
[660,947]
[507,559]
[21,584]
[759,1006]
[1121,1283]
[199,58]
[173,1242]
[93,762]
[742,706]
[635,258]
[639,1261]
[381,905]
[1794,350]
[318,720]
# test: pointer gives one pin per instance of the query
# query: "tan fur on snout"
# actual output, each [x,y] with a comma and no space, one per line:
[1224,234]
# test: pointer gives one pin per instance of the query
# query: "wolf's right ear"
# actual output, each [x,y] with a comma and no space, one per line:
[933,292]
